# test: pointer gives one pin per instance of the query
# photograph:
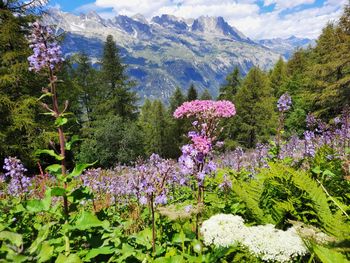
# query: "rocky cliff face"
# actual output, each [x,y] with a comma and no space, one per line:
[167,51]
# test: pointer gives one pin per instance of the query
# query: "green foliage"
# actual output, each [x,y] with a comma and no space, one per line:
[230,88]
[192,93]
[112,140]
[255,120]
[206,95]
[115,97]
[156,127]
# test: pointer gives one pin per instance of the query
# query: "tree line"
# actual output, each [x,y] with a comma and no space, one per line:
[112,128]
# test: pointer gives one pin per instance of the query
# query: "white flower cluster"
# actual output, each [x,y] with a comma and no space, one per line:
[265,242]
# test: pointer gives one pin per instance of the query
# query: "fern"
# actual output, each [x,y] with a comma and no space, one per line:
[250,192]
[332,223]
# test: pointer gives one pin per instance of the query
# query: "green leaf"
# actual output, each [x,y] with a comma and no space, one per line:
[47,94]
[144,238]
[88,220]
[54,168]
[79,168]
[73,140]
[72,258]
[42,235]
[98,251]
[58,191]
[46,252]
[14,238]
[40,205]
[328,173]
[51,153]
[81,193]
[328,255]
[60,121]
[317,170]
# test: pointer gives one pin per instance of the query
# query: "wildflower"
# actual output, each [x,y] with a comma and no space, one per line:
[19,183]
[264,241]
[284,102]
[205,109]
[47,53]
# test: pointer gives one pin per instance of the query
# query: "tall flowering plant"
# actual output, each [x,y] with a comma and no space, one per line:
[196,158]
[284,104]
[47,57]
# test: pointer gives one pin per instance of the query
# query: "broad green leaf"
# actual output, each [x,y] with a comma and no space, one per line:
[327,255]
[81,193]
[14,238]
[317,170]
[69,144]
[72,258]
[79,168]
[51,153]
[88,220]
[98,251]
[58,191]
[40,205]
[60,121]
[144,238]
[54,168]
[42,235]
[46,252]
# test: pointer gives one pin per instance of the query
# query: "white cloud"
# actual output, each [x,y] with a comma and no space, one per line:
[282,4]
[245,15]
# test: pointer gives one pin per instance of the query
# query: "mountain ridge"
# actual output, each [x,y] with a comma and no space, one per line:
[166,51]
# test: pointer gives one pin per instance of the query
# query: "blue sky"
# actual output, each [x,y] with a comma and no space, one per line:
[255,18]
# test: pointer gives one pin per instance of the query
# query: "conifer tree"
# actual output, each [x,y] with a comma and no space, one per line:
[192,93]
[116,97]
[177,126]
[230,88]
[86,78]
[176,100]
[155,124]
[206,95]
[329,88]
[256,119]
[278,78]
[21,124]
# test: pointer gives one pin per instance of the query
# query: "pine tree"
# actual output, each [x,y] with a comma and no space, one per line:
[278,78]
[176,100]
[255,120]
[230,88]
[85,77]
[116,97]
[22,125]
[177,126]
[155,124]
[206,95]
[331,71]
[192,93]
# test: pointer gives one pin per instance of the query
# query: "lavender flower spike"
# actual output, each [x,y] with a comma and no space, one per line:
[284,103]
[47,53]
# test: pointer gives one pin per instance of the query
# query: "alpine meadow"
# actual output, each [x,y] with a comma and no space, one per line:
[157,131]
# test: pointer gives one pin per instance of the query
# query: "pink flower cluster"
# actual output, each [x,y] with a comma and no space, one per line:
[201,144]
[205,109]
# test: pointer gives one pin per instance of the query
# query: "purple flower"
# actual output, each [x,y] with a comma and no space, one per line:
[284,102]
[47,53]
[143,200]
[19,183]
[161,199]
[188,208]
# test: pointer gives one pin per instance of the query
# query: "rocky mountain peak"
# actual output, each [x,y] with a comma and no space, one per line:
[170,21]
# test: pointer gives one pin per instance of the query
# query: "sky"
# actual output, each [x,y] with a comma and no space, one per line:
[257,19]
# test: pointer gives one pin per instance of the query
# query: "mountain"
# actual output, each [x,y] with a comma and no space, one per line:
[286,46]
[166,51]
